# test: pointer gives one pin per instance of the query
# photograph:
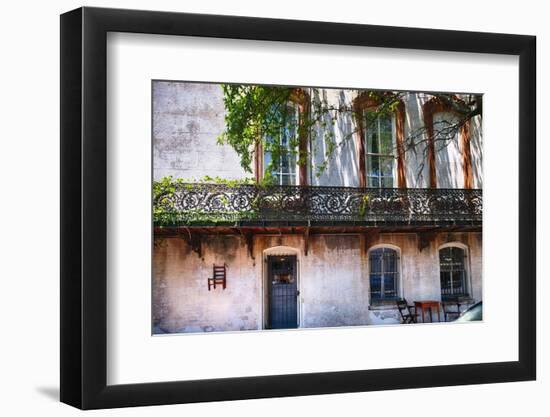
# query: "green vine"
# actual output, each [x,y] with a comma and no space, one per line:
[166,214]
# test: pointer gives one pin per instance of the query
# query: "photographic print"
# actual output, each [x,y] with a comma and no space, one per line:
[293,207]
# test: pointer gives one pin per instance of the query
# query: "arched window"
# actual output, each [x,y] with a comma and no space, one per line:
[452,267]
[384,273]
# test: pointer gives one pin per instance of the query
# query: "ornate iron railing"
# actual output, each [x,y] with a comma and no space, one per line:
[200,204]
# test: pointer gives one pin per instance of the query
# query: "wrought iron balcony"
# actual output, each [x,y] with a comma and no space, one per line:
[217,204]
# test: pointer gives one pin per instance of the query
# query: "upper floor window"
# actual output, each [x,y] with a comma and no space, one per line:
[383,273]
[452,272]
[449,156]
[280,157]
[380,155]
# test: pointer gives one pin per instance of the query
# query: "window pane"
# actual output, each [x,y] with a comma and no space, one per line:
[292,163]
[375,286]
[452,272]
[458,282]
[386,135]
[386,166]
[290,121]
[371,132]
[284,139]
[387,182]
[375,260]
[457,255]
[445,259]
[288,179]
[374,182]
[389,285]
[287,136]
[271,140]
[285,163]
[267,162]
[385,123]
[374,165]
[445,282]
[390,260]
[372,140]
[383,273]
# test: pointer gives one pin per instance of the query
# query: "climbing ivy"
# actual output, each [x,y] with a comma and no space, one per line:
[255,116]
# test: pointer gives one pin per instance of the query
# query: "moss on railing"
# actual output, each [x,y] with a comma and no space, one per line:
[216,201]
[165,212]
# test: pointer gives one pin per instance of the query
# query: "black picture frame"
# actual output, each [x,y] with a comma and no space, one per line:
[84,207]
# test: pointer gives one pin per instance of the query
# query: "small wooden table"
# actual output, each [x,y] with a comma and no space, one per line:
[428,305]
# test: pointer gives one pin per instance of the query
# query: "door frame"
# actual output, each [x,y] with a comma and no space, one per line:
[264,297]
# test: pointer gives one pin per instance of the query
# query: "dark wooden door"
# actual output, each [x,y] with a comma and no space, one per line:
[282,292]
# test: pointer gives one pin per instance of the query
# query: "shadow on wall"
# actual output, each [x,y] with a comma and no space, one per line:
[476,147]
[325,132]
[415,157]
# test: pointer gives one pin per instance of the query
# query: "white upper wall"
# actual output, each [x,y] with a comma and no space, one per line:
[416,160]
[189,117]
[476,149]
[449,164]
[343,165]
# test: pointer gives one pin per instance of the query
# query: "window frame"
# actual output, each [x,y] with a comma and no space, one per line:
[280,174]
[429,109]
[363,102]
[466,284]
[379,155]
[374,301]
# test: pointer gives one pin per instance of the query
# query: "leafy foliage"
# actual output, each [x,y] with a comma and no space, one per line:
[165,213]
[168,190]
[257,115]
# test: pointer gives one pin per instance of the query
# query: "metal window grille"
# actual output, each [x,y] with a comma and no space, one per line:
[452,272]
[384,273]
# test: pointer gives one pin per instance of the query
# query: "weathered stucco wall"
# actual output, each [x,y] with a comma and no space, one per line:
[181,300]
[187,120]
[189,117]
[333,280]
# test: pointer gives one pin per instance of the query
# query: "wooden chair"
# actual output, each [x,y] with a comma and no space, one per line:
[407,312]
[218,276]
[451,310]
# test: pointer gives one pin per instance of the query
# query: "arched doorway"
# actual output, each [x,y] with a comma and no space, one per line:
[281,289]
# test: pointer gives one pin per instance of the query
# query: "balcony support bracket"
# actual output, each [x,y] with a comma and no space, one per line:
[194,241]
[424,239]
[249,241]
[371,238]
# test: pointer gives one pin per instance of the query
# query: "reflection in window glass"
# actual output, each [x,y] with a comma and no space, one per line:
[452,272]
[383,273]
[283,171]
[380,159]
